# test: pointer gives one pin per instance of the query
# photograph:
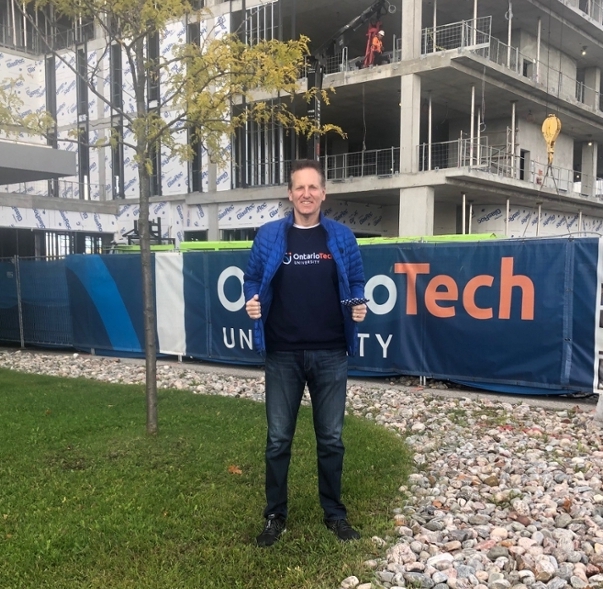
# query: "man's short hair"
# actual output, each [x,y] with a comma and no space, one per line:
[297,165]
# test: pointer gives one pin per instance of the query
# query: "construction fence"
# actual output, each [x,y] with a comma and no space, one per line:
[510,315]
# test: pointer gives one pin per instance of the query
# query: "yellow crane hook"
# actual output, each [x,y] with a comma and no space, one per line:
[551,127]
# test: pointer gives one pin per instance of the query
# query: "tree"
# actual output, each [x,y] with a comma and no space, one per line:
[200,83]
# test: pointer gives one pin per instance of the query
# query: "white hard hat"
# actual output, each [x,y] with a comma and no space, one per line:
[381,33]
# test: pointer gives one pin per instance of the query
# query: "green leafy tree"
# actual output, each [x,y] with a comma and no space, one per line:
[213,86]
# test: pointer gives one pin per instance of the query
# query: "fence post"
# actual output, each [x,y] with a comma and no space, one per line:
[19,301]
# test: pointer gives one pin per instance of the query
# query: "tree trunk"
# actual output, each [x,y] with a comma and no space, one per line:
[143,149]
[148,301]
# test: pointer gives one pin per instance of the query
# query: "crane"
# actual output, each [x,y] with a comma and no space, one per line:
[319,56]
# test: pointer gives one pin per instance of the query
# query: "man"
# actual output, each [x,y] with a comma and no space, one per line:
[303,276]
[377,49]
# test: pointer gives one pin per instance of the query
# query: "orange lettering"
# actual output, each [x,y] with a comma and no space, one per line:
[445,288]
[411,285]
[469,297]
[507,282]
[432,295]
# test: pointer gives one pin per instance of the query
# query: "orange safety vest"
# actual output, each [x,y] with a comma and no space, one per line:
[377,44]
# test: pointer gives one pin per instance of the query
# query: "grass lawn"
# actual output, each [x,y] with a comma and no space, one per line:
[88,500]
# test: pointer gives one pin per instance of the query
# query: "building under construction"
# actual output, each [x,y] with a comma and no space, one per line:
[481,116]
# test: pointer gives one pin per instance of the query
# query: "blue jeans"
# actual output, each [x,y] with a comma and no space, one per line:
[325,372]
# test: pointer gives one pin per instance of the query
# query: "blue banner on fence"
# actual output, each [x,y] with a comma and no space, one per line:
[46,314]
[230,336]
[105,295]
[489,311]
[504,313]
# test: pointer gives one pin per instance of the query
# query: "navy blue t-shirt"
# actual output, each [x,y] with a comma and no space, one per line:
[305,313]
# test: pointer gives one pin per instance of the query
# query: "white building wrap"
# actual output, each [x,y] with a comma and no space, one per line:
[361,218]
[176,230]
[29,86]
[58,220]
[68,186]
[129,100]
[95,82]
[94,170]
[129,213]
[523,222]
[174,172]
[130,169]
[251,213]
[66,89]
[105,74]
[126,216]
[196,218]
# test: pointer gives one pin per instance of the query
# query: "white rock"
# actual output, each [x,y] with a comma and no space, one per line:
[350,583]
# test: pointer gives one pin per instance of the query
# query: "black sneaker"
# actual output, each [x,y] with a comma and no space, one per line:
[342,529]
[273,529]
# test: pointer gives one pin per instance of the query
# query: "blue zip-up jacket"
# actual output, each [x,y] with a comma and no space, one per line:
[267,253]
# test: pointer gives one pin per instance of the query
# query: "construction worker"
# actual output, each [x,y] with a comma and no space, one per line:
[377,49]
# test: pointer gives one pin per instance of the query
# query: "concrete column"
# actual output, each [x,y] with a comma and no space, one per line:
[411,29]
[589,168]
[416,211]
[592,83]
[213,233]
[410,121]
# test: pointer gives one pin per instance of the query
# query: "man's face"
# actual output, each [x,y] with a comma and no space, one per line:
[306,194]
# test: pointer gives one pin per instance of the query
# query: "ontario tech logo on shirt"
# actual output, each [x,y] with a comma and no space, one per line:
[305,259]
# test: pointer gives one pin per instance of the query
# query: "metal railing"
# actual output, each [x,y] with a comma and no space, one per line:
[59,189]
[458,153]
[456,35]
[592,8]
[372,162]
[477,39]
[69,37]
[342,62]
[273,172]
[375,162]
[478,155]
[594,187]
[556,82]
[474,154]
[13,39]
[500,53]
[338,63]
[36,44]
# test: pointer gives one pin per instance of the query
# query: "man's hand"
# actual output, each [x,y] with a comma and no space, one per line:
[359,313]
[253,307]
